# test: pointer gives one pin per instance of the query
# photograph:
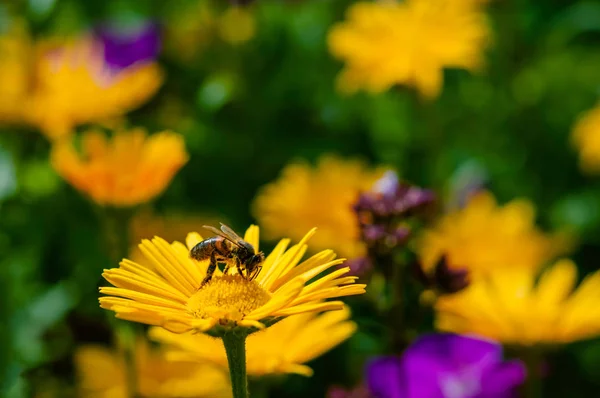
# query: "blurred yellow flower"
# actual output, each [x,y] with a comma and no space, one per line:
[236,25]
[282,348]
[127,170]
[385,43]
[304,196]
[166,290]
[102,374]
[508,305]
[15,73]
[483,236]
[73,86]
[586,139]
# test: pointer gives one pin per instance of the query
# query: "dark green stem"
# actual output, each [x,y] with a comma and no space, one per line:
[117,226]
[533,385]
[235,348]
[128,334]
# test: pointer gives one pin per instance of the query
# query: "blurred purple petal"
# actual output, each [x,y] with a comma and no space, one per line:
[387,184]
[503,374]
[446,366]
[359,266]
[383,377]
[373,232]
[125,45]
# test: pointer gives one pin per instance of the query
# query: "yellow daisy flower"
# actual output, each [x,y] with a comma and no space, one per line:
[73,86]
[129,169]
[282,348]
[304,196]
[510,306]
[167,290]
[586,138]
[483,236]
[385,43]
[102,374]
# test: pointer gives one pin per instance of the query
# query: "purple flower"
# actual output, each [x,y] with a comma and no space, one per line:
[390,197]
[125,45]
[446,366]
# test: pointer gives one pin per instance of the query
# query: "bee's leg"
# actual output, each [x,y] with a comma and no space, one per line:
[238,267]
[210,270]
[255,273]
[228,261]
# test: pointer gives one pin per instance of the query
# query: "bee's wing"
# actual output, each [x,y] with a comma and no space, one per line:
[230,233]
[232,239]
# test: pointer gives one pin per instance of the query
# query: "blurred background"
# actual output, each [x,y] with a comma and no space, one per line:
[252,88]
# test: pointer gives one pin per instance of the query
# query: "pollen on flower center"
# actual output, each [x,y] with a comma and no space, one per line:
[227,297]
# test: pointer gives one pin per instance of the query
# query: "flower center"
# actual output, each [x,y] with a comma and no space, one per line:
[228,298]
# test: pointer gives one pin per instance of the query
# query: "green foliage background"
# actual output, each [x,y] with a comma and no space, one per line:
[247,110]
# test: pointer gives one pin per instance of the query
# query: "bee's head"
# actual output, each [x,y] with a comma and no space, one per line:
[255,260]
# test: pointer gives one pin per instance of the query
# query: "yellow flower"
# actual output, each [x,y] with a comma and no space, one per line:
[385,43]
[510,306]
[586,138]
[323,196]
[167,290]
[484,236]
[282,348]
[74,86]
[15,73]
[102,374]
[236,25]
[128,170]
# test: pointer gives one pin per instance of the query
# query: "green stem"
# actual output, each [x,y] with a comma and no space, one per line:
[533,385]
[128,334]
[117,226]
[235,348]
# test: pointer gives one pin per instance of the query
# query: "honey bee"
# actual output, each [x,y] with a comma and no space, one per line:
[227,247]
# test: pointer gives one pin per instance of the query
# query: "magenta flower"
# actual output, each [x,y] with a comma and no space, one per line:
[125,45]
[446,366]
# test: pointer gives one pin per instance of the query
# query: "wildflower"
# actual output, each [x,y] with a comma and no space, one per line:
[483,236]
[304,196]
[167,289]
[74,85]
[443,366]
[129,169]
[586,138]
[443,279]
[384,212]
[125,46]
[386,42]
[102,374]
[282,348]
[508,305]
